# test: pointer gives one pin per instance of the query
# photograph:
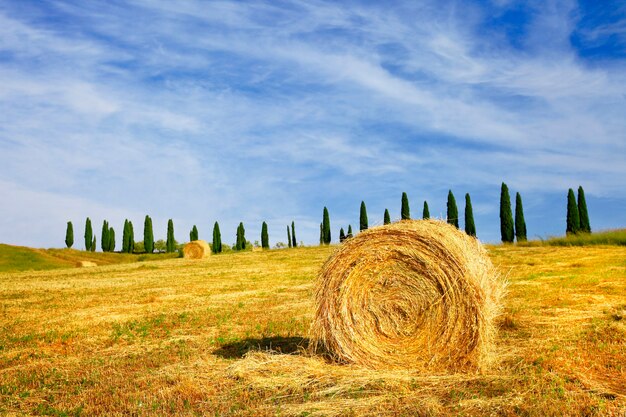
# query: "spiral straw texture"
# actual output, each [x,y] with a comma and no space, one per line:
[196,249]
[412,294]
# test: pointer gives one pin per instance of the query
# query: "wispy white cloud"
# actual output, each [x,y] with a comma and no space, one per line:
[260,110]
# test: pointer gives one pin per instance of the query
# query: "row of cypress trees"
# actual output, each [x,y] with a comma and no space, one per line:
[405,214]
[241,238]
[405,210]
[216,243]
[193,233]
[242,243]
[107,237]
[291,236]
[510,230]
[577,215]
[343,236]
[128,237]
[452,213]
[577,220]
[128,240]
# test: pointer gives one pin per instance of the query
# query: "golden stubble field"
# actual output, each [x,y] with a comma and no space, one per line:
[227,336]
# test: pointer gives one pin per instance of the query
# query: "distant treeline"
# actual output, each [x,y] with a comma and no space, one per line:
[510,229]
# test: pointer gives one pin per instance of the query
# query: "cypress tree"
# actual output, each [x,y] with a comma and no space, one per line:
[349,235]
[326,224]
[242,242]
[88,234]
[322,233]
[289,241]
[452,211]
[238,241]
[148,235]
[386,217]
[131,237]
[151,235]
[585,226]
[93,244]
[363,223]
[216,245]
[69,235]
[104,237]
[125,236]
[193,234]
[342,235]
[506,216]
[425,212]
[265,240]
[111,240]
[294,243]
[573,217]
[520,223]
[405,211]
[170,244]
[470,227]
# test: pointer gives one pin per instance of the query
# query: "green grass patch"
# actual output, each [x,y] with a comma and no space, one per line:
[20,258]
[608,237]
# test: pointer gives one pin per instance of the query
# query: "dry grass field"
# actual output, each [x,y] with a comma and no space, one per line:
[227,336]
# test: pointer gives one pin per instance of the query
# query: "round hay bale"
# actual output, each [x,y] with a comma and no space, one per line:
[86,264]
[417,294]
[197,249]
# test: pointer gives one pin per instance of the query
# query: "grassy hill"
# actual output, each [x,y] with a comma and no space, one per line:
[20,258]
[183,337]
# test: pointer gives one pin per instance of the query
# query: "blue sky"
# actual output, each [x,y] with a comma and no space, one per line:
[270,110]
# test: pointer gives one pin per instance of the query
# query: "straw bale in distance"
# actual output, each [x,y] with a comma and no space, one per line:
[416,294]
[197,249]
[85,264]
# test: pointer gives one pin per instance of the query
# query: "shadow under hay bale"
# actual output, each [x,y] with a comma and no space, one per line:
[285,345]
[416,294]
[197,249]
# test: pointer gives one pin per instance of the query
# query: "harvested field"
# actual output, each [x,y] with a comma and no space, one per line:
[192,337]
